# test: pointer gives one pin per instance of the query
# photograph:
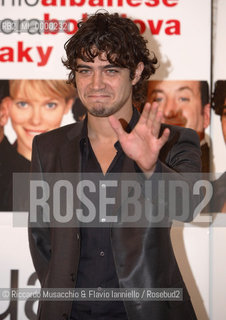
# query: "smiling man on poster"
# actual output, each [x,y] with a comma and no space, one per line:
[185,103]
[109,62]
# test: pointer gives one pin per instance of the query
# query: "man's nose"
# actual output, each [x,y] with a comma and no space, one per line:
[97,81]
[170,109]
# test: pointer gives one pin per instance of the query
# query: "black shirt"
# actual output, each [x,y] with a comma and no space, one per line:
[96,266]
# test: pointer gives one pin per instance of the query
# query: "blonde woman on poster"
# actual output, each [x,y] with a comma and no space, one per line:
[35,107]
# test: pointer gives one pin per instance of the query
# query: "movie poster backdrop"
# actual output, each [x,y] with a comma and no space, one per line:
[187,38]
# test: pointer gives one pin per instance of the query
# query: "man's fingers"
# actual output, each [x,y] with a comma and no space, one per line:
[156,124]
[145,113]
[164,137]
[116,126]
[152,114]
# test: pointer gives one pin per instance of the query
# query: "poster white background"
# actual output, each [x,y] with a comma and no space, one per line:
[181,37]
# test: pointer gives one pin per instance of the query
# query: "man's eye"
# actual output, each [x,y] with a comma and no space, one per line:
[51,105]
[83,71]
[22,104]
[112,71]
[184,99]
[158,99]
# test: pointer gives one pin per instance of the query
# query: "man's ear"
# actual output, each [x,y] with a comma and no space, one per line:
[138,72]
[206,115]
[4,111]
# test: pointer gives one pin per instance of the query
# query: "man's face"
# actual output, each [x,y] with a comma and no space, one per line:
[181,104]
[223,121]
[103,88]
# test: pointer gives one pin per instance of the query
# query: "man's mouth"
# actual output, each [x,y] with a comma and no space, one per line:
[176,122]
[98,96]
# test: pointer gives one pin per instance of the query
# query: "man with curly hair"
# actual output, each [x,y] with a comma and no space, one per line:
[109,62]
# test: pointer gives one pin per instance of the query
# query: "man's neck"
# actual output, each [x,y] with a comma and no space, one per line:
[100,129]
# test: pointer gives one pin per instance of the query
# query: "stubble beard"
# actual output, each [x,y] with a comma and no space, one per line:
[102,111]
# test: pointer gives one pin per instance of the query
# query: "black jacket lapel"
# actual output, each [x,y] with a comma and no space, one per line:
[70,157]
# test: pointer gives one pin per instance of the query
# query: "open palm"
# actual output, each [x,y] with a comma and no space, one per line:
[143,143]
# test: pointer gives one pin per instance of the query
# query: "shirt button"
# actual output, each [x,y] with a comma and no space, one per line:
[102,253]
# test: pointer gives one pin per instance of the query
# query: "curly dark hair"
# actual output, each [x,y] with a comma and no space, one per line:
[119,38]
[219,97]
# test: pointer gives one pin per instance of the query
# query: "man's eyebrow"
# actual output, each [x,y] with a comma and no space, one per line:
[108,66]
[185,88]
[179,89]
[83,66]
[157,91]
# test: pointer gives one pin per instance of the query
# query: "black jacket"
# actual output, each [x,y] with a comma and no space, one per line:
[143,256]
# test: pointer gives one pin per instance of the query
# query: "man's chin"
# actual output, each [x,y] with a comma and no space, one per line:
[101,112]
[98,112]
